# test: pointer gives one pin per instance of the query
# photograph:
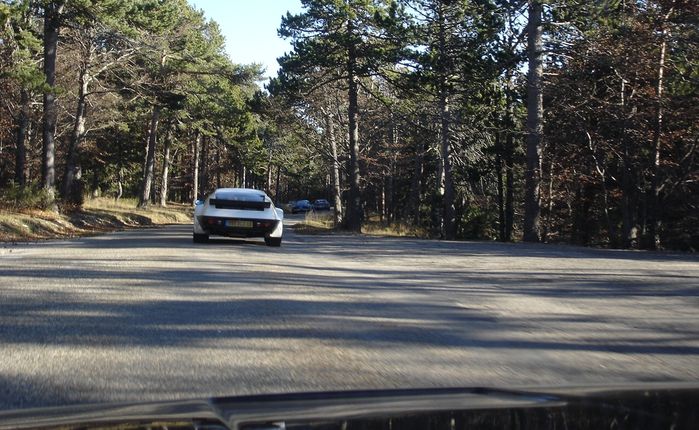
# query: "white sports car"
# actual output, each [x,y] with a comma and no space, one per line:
[238,212]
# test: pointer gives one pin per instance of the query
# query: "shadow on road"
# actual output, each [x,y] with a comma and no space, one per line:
[64,320]
[179,236]
[354,292]
[208,304]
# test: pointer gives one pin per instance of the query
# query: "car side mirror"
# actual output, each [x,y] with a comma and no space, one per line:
[198,202]
[280,212]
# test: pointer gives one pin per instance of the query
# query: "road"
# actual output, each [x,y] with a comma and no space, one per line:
[146,315]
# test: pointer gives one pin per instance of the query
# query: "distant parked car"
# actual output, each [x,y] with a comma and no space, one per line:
[321,205]
[301,206]
[238,212]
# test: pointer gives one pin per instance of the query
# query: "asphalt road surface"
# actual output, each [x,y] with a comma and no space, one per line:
[146,315]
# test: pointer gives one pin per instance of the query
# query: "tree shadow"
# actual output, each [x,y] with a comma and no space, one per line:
[361,246]
[63,319]
[209,303]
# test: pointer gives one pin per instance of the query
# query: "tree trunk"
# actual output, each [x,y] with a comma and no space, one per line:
[120,186]
[390,207]
[508,159]
[628,220]
[144,198]
[390,188]
[268,179]
[602,172]
[204,166]
[500,185]
[195,166]
[166,169]
[654,208]
[509,187]
[95,191]
[415,193]
[277,198]
[21,147]
[448,210]
[438,197]
[52,24]
[33,131]
[353,218]
[535,118]
[78,131]
[449,225]
[549,204]
[628,234]
[335,169]
[218,165]
[379,202]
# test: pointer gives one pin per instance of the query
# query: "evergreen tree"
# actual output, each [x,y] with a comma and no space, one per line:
[337,40]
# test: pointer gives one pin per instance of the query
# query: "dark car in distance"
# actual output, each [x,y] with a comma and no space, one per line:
[301,206]
[321,205]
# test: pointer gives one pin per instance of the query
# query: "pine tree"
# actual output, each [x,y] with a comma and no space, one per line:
[335,40]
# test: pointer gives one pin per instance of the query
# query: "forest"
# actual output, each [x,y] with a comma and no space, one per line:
[558,121]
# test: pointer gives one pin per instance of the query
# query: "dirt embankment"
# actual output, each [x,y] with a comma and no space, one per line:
[97,216]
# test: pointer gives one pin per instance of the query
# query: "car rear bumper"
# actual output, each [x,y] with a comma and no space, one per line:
[238,227]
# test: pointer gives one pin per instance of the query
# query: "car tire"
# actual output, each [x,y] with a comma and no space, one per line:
[200,238]
[273,241]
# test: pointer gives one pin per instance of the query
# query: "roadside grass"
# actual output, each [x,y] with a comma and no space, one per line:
[127,210]
[97,215]
[316,223]
[378,228]
[323,223]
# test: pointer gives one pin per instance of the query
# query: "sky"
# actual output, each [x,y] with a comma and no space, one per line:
[250,28]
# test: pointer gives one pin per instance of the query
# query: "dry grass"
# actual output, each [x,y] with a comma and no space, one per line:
[174,213]
[96,216]
[323,223]
[374,228]
[316,223]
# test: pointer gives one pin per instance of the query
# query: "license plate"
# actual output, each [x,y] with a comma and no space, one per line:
[238,223]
